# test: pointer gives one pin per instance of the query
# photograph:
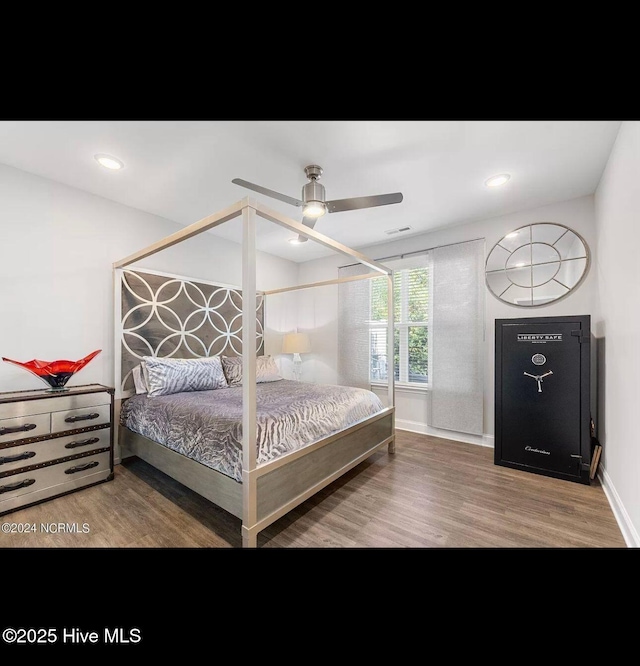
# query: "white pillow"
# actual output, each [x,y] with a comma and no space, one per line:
[175,375]
[267,370]
[145,375]
[138,380]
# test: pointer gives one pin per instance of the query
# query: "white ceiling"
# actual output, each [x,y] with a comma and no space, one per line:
[182,170]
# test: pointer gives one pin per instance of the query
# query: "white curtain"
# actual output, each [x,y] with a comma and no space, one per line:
[353,328]
[457,337]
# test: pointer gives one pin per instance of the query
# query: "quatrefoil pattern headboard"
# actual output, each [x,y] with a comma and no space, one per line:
[168,316]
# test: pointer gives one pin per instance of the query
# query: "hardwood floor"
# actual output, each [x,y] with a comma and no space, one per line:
[433,493]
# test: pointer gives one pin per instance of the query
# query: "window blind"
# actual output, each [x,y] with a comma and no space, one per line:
[411,335]
[439,330]
[458,337]
[353,328]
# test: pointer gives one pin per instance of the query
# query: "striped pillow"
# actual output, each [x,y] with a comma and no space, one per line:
[175,375]
[266,370]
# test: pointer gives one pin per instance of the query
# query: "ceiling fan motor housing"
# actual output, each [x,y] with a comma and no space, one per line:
[313,191]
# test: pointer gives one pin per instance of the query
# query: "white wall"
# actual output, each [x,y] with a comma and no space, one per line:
[412,408]
[617,327]
[56,295]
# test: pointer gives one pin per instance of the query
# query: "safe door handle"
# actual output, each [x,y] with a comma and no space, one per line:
[14,486]
[84,442]
[86,417]
[20,456]
[23,428]
[81,468]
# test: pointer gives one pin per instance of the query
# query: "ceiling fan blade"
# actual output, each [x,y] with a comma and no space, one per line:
[339,205]
[269,193]
[308,222]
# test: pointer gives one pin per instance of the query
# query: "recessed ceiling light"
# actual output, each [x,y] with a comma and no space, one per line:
[496,181]
[109,162]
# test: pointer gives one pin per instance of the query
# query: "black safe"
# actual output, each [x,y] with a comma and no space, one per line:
[543,395]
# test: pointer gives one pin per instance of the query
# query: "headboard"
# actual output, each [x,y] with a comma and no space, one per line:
[170,315]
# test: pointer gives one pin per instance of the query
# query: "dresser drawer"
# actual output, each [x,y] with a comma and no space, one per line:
[22,427]
[80,418]
[53,403]
[73,473]
[39,452]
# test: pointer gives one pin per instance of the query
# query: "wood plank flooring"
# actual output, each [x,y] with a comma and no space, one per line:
[432,493]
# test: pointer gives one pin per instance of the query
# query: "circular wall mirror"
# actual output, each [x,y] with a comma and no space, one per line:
[536,264]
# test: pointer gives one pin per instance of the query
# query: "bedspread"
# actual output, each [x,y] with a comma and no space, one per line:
[207,425]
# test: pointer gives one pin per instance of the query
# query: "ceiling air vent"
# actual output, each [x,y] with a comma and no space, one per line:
[399,230]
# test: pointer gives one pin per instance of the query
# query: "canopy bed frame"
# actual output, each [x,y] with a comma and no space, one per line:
[268,490]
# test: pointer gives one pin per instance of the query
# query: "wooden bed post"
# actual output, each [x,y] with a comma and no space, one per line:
[390,356]
[249,425]
[117,358]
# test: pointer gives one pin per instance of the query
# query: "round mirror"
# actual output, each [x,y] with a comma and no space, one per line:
[536,264]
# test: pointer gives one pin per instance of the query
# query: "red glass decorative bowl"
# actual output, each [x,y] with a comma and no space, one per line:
[55,373]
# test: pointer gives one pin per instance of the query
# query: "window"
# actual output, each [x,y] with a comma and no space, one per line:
[411,323]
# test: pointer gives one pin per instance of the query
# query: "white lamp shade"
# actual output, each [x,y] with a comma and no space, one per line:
[296,343]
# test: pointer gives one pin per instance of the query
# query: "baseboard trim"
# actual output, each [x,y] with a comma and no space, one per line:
[424,429]
[629,532]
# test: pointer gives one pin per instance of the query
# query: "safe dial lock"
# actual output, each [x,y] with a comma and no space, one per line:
[539,378]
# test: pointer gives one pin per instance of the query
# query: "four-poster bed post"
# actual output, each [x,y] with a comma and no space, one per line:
[249,451]
[268,490]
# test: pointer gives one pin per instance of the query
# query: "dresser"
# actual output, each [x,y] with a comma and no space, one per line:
[54,442]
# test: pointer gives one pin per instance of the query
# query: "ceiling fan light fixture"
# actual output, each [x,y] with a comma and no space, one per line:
[314,209]
[314,202]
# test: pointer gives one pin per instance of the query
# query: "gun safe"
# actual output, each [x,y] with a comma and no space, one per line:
[543,394]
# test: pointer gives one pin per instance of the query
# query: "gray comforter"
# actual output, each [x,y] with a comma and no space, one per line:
[207,425]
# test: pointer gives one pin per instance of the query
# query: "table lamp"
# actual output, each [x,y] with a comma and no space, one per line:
[296,344]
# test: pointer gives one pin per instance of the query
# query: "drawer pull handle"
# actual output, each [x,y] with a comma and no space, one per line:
[14,486]
[84,442]
[81,468]
[86,417]
[20,456]
[22,428]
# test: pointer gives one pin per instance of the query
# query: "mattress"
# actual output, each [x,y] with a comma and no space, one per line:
[207,425]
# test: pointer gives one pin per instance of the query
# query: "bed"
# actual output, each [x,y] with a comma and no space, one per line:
[207,425]
[255,448]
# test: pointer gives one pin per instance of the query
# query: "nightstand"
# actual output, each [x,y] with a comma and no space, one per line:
[53,443]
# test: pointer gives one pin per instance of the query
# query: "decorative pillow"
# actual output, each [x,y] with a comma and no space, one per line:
[145,375]
[138,380]
[232,366]
[266,370]
[175,375]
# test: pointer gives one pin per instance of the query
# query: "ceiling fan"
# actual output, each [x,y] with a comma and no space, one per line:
[314,204]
